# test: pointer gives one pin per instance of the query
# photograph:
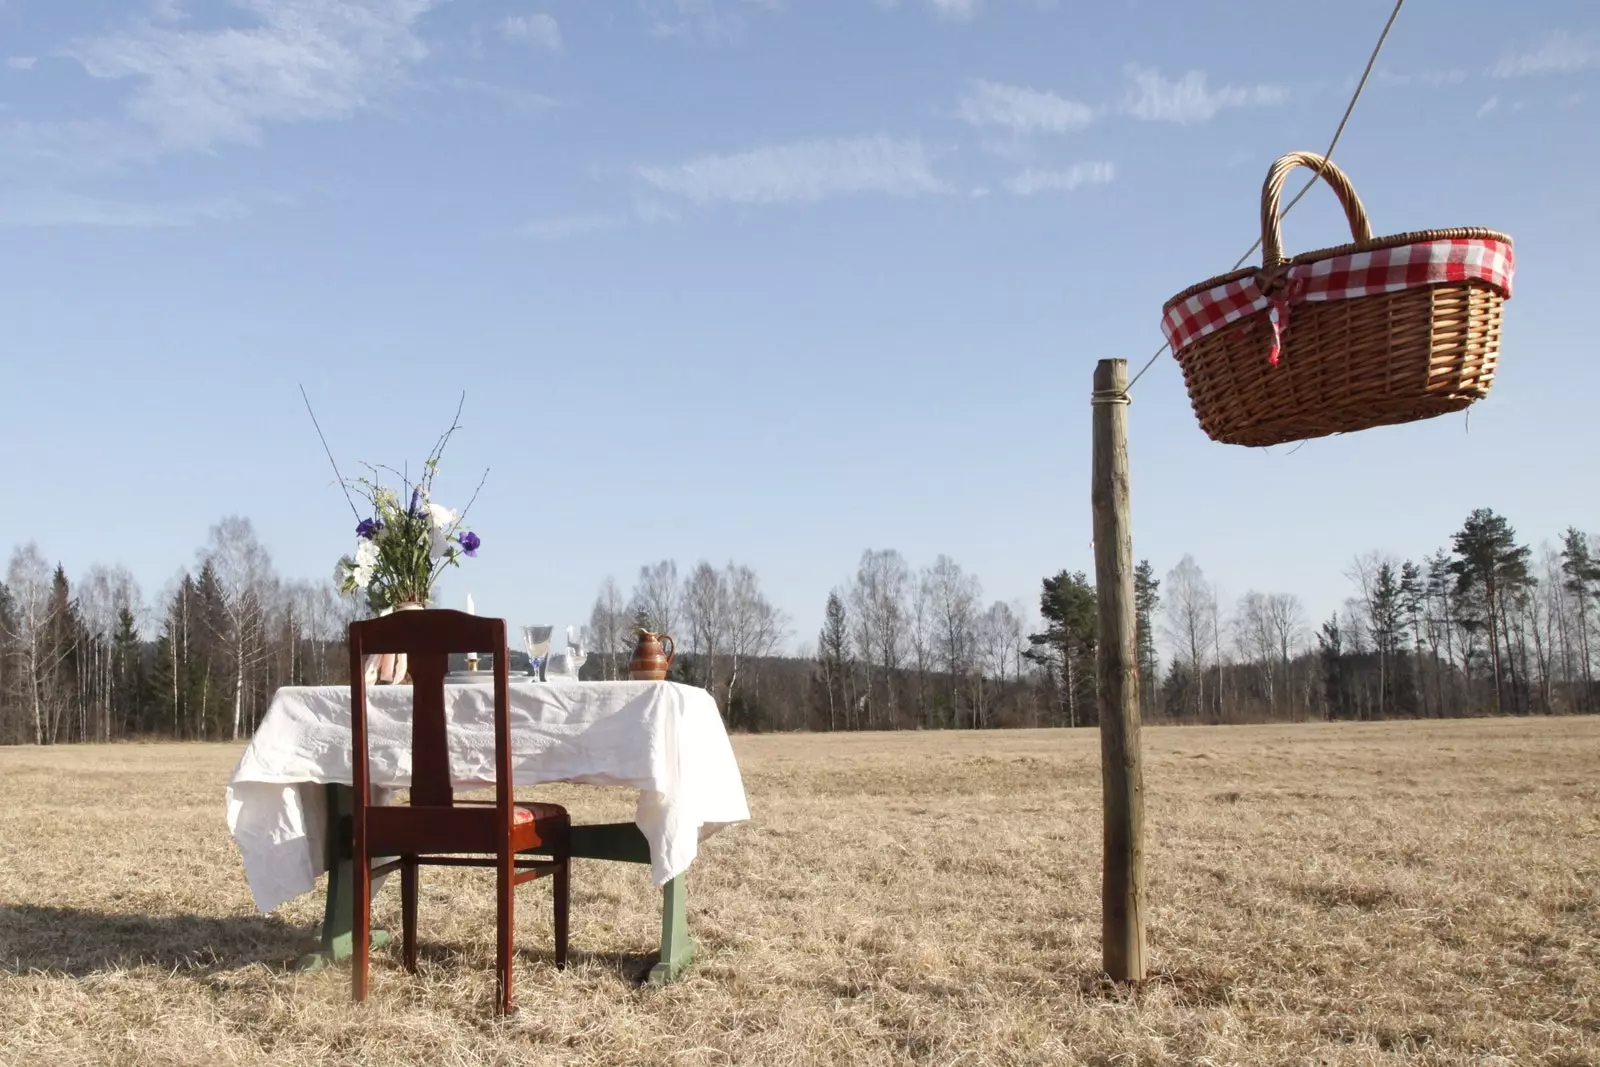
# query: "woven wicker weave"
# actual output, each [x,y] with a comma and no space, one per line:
[1348,364]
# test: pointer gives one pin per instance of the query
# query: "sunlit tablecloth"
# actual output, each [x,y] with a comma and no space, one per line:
[664,739]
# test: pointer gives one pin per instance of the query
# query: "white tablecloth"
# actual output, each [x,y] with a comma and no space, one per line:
[664,739]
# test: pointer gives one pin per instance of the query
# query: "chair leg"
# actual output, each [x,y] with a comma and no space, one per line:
[505,891]
[561,888]
[361,931]
[408,911]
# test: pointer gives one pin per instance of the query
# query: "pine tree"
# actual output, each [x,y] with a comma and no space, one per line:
[12,727]
[833,644]
[127,666]
[209,681]
[1385,615]
[1146,599]
[1067,646]
[1582,574]
[1490,567]
[1413,604]
[60,681]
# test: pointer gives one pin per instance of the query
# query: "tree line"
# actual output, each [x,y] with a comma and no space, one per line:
[1482,625]
[75,665]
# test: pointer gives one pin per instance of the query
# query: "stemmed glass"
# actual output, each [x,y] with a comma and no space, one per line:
[536,642]
[567,665]
[577,653]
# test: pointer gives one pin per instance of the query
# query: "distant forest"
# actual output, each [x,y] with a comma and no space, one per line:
[1482,626]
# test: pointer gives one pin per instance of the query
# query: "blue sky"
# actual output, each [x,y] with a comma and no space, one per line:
[754,280]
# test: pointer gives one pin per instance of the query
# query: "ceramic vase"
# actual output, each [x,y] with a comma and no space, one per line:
[389,668]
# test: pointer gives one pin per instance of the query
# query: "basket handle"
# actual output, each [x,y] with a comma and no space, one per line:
[1272,189]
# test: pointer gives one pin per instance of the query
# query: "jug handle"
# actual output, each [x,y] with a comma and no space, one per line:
[669,646]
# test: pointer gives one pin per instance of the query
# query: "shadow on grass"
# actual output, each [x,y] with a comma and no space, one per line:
[75,942]
[632,967]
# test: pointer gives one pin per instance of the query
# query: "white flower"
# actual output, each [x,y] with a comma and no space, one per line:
[441,517]
[440,520]
[362,566]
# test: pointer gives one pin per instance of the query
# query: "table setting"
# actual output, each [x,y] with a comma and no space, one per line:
[289,799]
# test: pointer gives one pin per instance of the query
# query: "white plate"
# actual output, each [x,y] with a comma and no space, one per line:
[483,677]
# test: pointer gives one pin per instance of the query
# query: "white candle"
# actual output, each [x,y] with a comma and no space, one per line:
[469,605]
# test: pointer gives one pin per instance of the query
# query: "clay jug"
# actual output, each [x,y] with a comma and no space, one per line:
[651,657]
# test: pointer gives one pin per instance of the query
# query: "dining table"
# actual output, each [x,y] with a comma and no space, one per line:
[290,801]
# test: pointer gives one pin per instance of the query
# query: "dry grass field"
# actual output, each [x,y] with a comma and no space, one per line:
[1422,893]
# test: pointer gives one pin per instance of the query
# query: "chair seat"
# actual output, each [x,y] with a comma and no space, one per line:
[464,827]
[525,811]
[531,811]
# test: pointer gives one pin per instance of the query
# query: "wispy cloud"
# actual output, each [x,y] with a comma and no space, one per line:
[520,100]
[540,31]
[959,10]
[70,149]
[21,62]
[1430,78]
[651,212]
[1561,53]
[953,10]
[710,21]
[802,171]
[33,207]
[1021,109]
[1489,106]
[561,227]
[1034,180]
[1158,99]
[302,60]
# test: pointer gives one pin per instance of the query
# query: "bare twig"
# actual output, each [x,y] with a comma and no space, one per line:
[455,424]
[468,508]
[329,451]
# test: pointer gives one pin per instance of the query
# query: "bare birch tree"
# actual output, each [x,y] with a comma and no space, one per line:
[953,595]
[658,595]
[1191,609]
[878,599]
[754,627]
[244,579]
[36,622]
[706,612]
[608,628]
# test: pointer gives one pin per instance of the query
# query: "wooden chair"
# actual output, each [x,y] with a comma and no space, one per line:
[436,828]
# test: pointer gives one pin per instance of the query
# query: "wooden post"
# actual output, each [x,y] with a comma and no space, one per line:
[1122,780]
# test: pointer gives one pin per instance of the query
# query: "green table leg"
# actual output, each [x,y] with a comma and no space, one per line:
[677,946]
[338,913]
[623,843]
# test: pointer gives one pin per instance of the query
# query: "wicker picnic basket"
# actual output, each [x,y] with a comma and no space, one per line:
[1380,331]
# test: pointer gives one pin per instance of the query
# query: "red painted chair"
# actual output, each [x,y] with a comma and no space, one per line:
[435,828]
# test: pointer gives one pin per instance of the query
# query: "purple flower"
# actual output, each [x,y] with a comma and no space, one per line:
[470,543]
[416,502]
[370,529]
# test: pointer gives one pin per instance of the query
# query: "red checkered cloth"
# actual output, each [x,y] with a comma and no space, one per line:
[1383,270]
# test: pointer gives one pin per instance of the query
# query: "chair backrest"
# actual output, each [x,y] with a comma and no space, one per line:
[427,638]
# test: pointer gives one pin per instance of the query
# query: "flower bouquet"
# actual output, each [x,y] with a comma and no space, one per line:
[400,552]
[403,544]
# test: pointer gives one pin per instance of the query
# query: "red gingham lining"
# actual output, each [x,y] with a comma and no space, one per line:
[1383,270]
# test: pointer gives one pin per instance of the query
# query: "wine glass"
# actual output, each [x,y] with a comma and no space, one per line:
[576,650]
[536,642]
[566,665]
